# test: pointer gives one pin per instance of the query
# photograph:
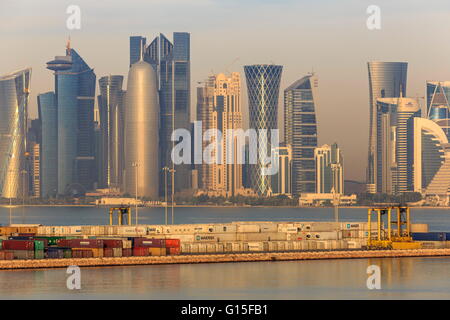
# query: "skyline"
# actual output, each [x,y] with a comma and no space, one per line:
[326,45]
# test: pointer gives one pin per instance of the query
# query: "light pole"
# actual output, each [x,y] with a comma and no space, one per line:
[173,190]
[165,169]
[23,172]
[136,165]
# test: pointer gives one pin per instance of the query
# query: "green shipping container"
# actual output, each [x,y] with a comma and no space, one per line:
[39,254]
[68,253]
[38,245]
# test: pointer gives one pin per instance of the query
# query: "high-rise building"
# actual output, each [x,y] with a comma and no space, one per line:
[281,182]
[219,108]
[438,104]
[48,117]
[329,169]
[263,86]
[14,89]
[300,131]
[137,46]
[431,159]
[141,132]
[32,171]
[75,96]
[172,63]
[111,111]
[395,138]
[386,80]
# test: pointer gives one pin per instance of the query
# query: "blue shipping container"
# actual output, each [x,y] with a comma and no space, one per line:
[430,236]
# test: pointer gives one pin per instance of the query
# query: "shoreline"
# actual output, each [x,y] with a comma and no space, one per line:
[218,258]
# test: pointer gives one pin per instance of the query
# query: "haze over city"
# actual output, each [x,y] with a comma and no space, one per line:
[327,37]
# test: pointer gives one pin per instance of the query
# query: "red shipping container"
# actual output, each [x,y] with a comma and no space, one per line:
[112,243]
[173,251]
[172,243]
[9,255]
[2,255]
[18,245]
[149,243]
[77,253]
[127,252]
[140,252]
[108,252]
[87,253]
[80,243]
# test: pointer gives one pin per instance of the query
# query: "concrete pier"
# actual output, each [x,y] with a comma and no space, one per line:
[220,258]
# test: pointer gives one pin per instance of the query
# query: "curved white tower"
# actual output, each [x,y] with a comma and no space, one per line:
[141,132]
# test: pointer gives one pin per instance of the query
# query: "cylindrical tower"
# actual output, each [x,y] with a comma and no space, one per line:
[141,132]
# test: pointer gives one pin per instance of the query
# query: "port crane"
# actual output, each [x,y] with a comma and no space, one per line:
[398,233]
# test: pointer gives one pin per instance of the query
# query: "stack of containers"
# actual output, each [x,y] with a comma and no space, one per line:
[83,248]
[21,249]
[112,248]
[146,247]
[173,246]
[39,246]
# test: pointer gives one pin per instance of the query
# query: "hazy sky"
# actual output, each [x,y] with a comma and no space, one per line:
[329,37]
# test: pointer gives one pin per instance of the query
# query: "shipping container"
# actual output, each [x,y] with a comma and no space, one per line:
[248,228]
[154,251]
[172,243]
[140,252]
[39,245]
[430,236]
[18,245]
[112,243]
[326,235]
[39,254]
[23,254]
[80,243]
[108,252]
[127,252]
[146,242]
[419,227]
[255,246]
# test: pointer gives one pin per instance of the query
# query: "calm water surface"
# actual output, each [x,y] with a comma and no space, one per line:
[405,278]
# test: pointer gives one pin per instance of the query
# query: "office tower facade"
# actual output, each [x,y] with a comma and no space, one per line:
[219,108]
[431,159]
[263,86]
[172,63]
[329,169]
[141,132]
[281,182]
[137,47]
[438,105]
[14,89]
[48,117]
[386,80]
[32,171]
[75,96]
[300,131]
[111,111]
[395,119]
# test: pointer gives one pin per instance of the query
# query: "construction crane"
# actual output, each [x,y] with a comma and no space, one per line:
[398,233]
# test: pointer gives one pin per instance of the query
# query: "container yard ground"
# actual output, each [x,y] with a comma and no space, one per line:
[220,258]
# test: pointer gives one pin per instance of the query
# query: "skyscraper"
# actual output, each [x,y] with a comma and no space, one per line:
[75,94]
[111,110]
[141,132]
[386,80]
[263,85]
[14,92]
[329,169]
[438,105]
[48,117]
[300,131]
[281,182]
[172,63]
[395,119]
[219,108]
[137,46]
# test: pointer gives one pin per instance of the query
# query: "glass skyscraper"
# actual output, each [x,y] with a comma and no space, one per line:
[263,86]
[300,131]
[48,117]
[172,63]
[111,110]
[14,92]
[75,96]
[386,80]
[438,105]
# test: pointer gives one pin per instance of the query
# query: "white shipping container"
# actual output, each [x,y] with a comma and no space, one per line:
[326,235]
[323,226]
[268,227]
[255,246]
[237,247]
[273,246]
[312,245]
[248,228]
[185,248]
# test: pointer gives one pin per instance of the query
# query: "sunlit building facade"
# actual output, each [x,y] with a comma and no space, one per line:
[14,92]
[300,131]
[386,80]
[263,86]
[329,169]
